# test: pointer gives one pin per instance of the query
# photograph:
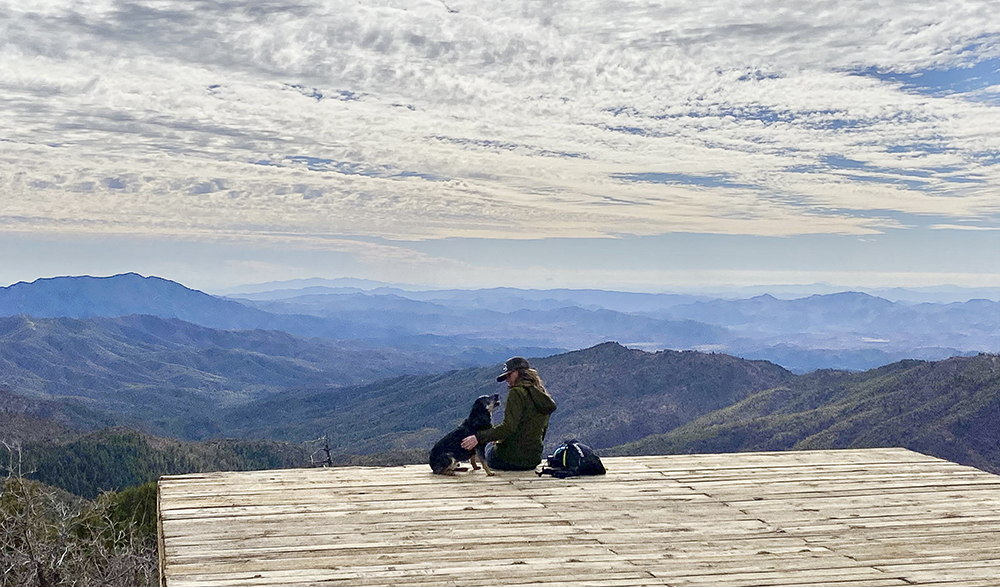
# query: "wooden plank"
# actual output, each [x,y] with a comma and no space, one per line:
[916,572]
[524,570]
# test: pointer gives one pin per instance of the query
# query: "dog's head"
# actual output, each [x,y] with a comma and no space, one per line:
[482,410]
[488,402]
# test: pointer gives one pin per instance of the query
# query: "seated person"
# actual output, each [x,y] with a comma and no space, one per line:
[518,439]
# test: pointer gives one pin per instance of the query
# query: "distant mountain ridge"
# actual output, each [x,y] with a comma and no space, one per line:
[133,294]
[846,330]
[844,310]
[850,330]
[943,294]
[116,295]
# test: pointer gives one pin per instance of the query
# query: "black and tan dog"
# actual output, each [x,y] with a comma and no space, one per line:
[448,452]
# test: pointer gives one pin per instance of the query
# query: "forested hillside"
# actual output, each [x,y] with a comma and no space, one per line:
[114,459]
[949,409]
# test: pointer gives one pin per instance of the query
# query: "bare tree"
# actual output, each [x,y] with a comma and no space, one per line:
[50,538]
[325,461]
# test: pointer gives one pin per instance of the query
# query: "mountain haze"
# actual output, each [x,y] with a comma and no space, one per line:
[846,330]
[841,315]
[501,299]
[130,293]
[543,323]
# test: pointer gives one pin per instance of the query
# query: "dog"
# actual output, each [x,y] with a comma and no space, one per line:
[448,452]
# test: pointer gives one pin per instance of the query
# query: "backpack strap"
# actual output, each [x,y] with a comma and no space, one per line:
[557,473]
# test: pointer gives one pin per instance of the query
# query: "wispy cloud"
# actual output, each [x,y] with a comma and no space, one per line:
[417,120]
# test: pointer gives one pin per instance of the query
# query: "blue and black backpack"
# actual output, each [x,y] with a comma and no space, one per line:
[571,459]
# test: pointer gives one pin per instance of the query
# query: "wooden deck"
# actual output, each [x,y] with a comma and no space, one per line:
[846,518]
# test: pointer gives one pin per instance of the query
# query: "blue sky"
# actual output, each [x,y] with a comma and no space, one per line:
[468,144]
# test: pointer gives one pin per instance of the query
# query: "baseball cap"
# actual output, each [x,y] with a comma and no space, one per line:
[513,364]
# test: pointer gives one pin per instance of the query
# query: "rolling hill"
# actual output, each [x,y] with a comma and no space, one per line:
[607,394]
[949,409]
[628,401]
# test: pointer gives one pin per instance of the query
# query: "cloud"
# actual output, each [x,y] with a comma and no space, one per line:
[963,227]
[500,120]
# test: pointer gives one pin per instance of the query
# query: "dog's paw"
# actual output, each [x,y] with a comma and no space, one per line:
[490,473]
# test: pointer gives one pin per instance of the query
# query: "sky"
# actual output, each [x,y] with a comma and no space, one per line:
[603,144]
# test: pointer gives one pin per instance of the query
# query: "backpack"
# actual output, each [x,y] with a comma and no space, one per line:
[571,459]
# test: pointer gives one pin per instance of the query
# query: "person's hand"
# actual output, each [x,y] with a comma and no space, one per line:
[470,442]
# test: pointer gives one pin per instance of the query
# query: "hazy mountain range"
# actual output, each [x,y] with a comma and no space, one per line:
[847,330]
[944,294]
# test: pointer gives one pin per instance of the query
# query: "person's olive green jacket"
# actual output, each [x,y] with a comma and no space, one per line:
[525,422]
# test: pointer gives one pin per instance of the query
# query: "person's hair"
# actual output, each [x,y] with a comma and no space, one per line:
[532,377]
